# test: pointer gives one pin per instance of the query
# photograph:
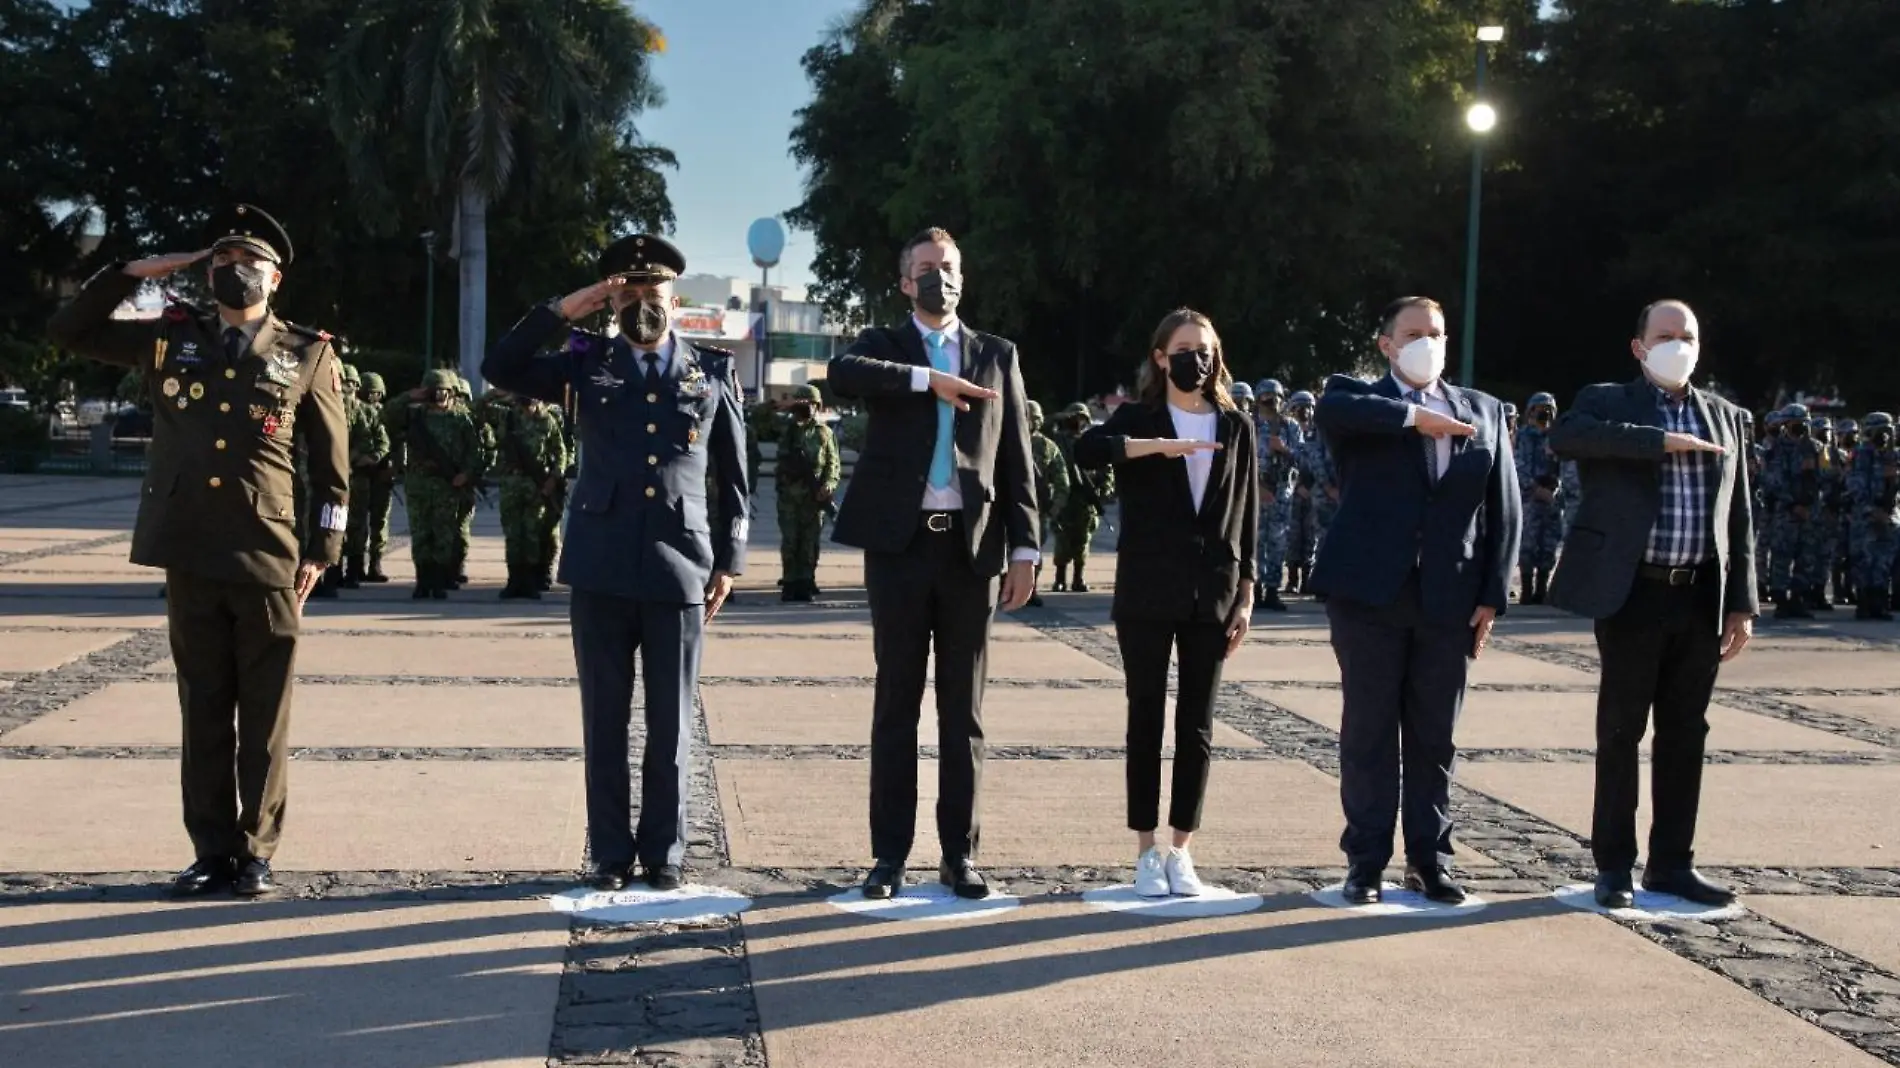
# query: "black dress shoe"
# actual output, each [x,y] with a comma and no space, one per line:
[609,877]
[207,875]
[1435,883]
[253,879]
[665,876]
[961,876]
[885,880]
[1365,885]
[1689,885]
[1614,890]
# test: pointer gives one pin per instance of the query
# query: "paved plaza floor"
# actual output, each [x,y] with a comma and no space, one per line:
[436,820]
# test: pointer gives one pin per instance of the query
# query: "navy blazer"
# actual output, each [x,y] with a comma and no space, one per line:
[637,523]
[1461,533]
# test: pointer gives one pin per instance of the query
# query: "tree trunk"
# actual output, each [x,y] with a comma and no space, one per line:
[472,209]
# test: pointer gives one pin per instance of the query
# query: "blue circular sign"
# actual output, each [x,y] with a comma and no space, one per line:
[765,240]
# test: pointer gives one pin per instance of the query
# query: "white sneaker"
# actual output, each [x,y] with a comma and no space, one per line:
[1182,882]
[1151,874]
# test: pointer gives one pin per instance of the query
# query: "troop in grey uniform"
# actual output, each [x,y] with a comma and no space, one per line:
[653,414]
[1279,443]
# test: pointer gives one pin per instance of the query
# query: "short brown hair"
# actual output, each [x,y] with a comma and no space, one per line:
[1392,311]
[928,236]
[1151,385]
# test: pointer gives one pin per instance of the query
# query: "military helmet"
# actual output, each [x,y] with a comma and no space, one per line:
[1539,400]
[373,382]
[1876,421]
[1822,422]
[1773,419]
[1078,408]
[1269,386]
[1241,392]
[1844,425]
[1302,399]
[1795,412]
[807,393]
[439,378]
[351,376]
[461,386]
[1510,410]
[1035,412]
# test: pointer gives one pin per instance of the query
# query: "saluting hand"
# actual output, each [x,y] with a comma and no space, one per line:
[1173,448]
[589,299]
[1440,426]
[1673,442]
[959,392]
[169,263]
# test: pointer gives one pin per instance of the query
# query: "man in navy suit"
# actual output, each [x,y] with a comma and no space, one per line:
[1416,565]
[653,414]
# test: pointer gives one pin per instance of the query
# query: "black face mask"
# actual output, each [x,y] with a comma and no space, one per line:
[239,285]
[439,397]
[1880,439]
[1189,370]
[801,412]
[1795,433]
[644,323]
[938,293]
[1541,418]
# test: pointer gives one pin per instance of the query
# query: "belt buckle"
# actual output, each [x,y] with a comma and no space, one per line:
[933,520]
[1681,576]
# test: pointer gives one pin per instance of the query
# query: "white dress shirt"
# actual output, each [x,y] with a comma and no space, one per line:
[950,498]
[1196,426]
[1436,400]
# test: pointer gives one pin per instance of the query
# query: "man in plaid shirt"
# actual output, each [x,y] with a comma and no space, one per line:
[1661,555]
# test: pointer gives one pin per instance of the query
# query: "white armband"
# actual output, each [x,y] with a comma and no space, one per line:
[334,517]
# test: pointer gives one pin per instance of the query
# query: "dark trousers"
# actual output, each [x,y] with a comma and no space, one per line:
[1661,650]
[234,645]
[1404,683]
[608,632]
[928,597]
[1145,646]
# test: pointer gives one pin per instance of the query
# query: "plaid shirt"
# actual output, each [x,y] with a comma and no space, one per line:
[1684,534]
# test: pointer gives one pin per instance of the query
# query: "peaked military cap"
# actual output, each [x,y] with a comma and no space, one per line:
[643,258]
[251,227]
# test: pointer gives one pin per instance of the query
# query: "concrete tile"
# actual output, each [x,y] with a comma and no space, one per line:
[1316,663]
[316,984]
[1791,816]
[1811,669]
[810,715]
[471,656]
[477,816]
[45,651]
[146,713]
[1867,927]
[805,813]
[1054,986]
[847,658]
[1884,711]
[142,612]
[107,564]
[1495,719]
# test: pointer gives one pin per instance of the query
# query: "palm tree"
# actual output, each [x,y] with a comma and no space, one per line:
[445,93]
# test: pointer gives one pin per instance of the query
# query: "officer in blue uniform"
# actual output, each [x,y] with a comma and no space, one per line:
[655,416]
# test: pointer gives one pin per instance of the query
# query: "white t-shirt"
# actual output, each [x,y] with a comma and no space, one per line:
[1196,426]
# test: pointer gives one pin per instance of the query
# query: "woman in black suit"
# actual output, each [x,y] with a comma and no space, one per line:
[1184,580]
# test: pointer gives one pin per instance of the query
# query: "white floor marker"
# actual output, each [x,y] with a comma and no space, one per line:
[640,905]
[1398,901]
[1216,901]
[1649,906]
[924,901]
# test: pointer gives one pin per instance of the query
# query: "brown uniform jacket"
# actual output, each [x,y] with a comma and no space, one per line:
[218,500]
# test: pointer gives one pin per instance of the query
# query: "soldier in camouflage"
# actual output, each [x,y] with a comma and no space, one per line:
[445,462]
[1846,439]
[379,485]
[1792,483]
[807,477]
[1081,515]
[1762,473]
[531,456]
[1818,566]
[1279,445]
[1540,483]
[1316,469]
[464,400]
[1510,420]
[1303,528]
[369,453]
[1873,488]
[1052,483]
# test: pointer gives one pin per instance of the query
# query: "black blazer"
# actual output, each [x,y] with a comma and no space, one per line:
[1614,432]
[1461,533]
[1174,564]
[993,467]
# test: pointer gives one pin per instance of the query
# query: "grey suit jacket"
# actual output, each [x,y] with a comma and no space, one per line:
[1614,432]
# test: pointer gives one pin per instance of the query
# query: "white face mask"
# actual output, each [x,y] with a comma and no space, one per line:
[1671,363]
[1423,361]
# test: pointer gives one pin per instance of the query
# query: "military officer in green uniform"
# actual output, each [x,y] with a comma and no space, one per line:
[465,502]
[215,512]
[1052,483]
[808,470]
[369,453]
[1089,494]
[531,455]
[445,461]
[371,489]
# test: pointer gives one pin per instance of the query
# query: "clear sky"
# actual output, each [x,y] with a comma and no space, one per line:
[732,82]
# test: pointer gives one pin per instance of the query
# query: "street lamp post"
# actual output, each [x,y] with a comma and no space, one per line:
[428,307]
[1481,118]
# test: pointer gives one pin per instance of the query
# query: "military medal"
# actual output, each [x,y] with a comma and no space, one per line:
[197,391]
[170,387]
[182,402]
[270,425]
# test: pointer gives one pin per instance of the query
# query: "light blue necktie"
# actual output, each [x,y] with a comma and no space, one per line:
[942,462]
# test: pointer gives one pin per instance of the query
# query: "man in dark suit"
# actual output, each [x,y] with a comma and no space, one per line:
[655,416]
[943,500]
[1416,565]
[1662,555]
